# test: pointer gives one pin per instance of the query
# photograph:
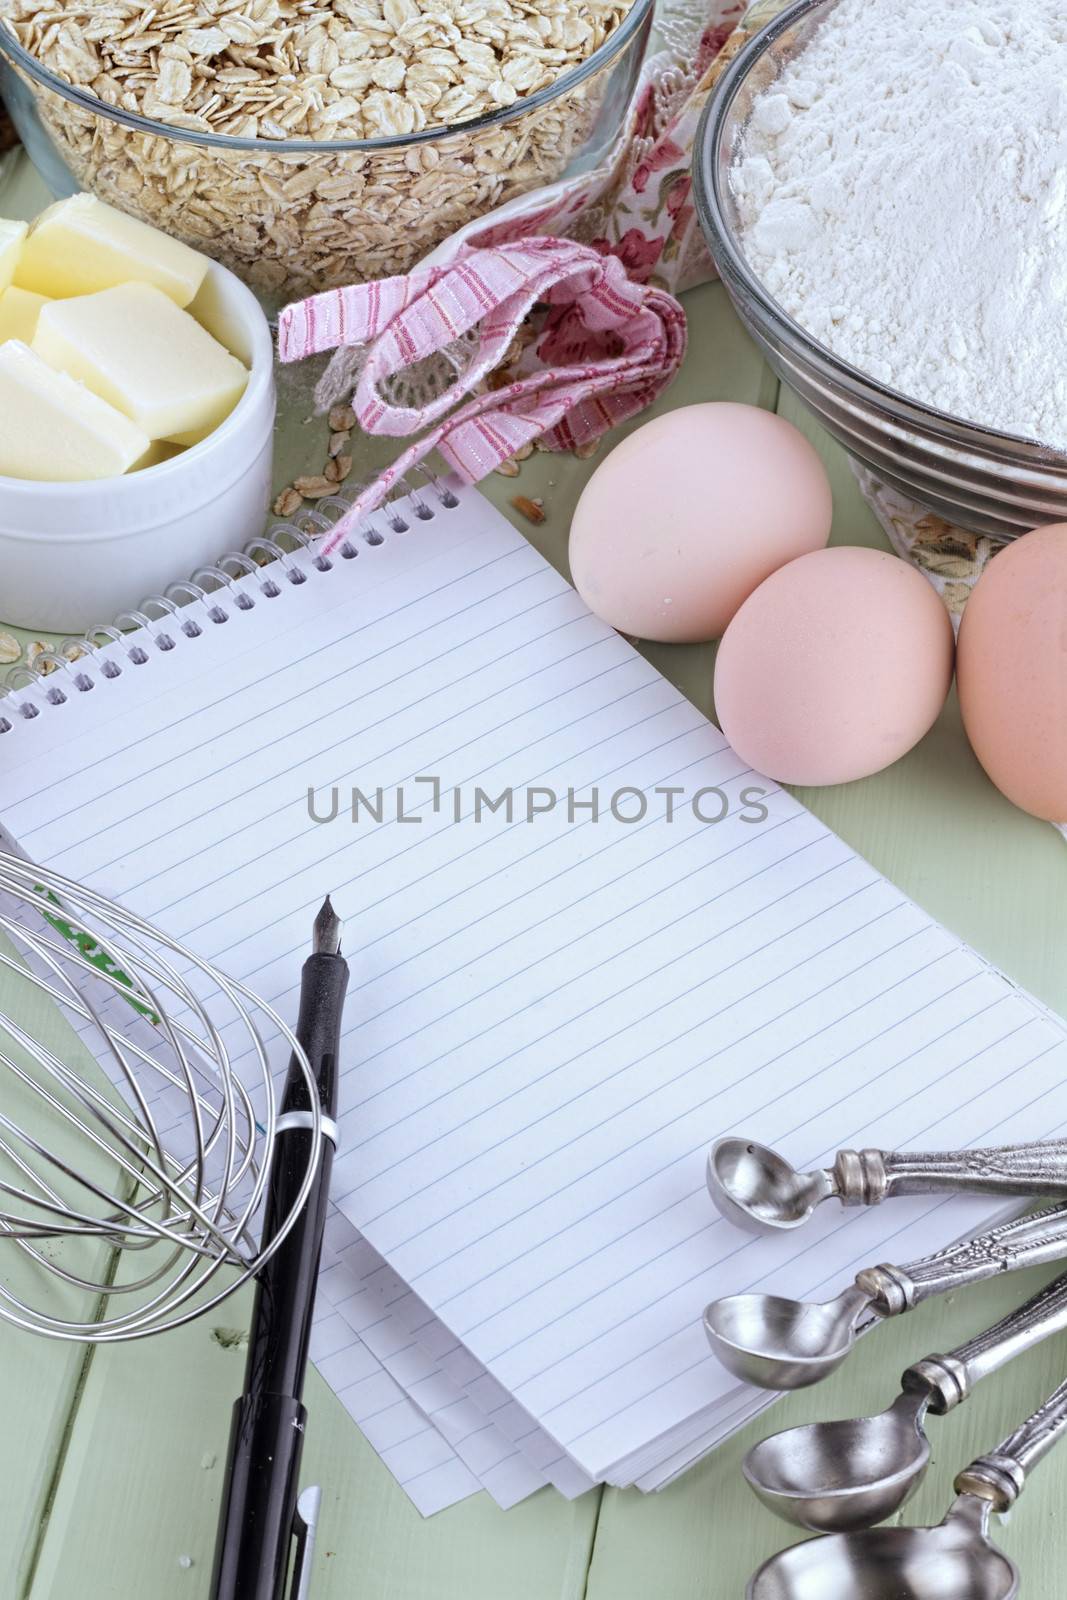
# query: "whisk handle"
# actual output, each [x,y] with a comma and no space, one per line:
[256,1528]
[259,1516]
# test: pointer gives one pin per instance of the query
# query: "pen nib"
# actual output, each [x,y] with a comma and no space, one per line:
[327,930]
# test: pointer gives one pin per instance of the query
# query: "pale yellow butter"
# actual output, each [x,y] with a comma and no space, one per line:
[81,245]
[12,237]
[134,348]
[53,429]
[158,452]
[19,310]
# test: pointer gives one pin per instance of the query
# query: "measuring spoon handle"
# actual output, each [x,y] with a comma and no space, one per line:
[948,1380]
[1029,1241]
[1001,1476]
[867,1177]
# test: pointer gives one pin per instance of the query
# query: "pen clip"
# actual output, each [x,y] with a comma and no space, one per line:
[305,1527]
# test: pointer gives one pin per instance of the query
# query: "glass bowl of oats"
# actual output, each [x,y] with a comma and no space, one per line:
[307,145]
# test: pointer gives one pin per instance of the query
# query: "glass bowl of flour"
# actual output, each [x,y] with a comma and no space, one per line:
[883,187]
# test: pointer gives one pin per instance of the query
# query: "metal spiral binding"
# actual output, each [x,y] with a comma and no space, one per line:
[79,663]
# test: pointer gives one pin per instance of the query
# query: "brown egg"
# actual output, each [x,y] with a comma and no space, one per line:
[1012,671]
[685,517]
[834,668]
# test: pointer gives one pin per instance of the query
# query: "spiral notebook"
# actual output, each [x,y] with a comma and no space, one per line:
[585,941]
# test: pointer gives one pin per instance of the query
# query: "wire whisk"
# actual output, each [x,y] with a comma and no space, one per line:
[137,1118]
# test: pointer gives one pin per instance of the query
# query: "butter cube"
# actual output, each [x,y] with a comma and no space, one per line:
[158,452]
[12,235]
[81,245]
[19,310]
[134,348]
[54,430]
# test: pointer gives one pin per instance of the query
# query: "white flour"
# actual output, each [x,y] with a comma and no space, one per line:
[903,190]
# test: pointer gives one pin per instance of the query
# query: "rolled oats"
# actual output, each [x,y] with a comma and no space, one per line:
[532,509]
[313,488]
[315,70]
[288,501]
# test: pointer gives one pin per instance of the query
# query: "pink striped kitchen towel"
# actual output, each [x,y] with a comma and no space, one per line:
[608,347]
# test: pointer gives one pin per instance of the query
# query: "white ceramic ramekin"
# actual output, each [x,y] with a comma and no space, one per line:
[73,555]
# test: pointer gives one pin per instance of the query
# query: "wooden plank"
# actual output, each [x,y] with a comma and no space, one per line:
[42,1375]
[136,1508]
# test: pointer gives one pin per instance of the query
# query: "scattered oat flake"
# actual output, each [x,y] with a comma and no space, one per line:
[509,468]
[342,419]
[338,441]
[532,510]
[313,488]
[10,649]
[34,651]
[288,501]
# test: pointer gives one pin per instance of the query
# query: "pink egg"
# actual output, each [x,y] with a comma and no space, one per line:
[686,516]
[1013,671]
[833,668]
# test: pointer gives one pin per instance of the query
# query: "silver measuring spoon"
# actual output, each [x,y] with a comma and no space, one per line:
[835,1476]
[756,1188]
[955,1561]
[776,1343]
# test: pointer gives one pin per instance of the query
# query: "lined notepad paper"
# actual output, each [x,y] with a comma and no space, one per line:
[549,1020]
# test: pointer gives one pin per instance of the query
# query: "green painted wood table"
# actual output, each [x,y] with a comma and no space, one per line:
[110,1459]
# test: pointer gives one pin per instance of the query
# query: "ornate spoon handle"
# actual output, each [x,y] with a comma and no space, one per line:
[1029,1241]
[948,1380]
[867,1177]
[1000,1477]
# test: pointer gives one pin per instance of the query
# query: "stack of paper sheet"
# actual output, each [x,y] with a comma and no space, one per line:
[549,1019]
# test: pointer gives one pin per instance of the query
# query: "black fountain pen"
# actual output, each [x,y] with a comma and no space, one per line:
[266,1527]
